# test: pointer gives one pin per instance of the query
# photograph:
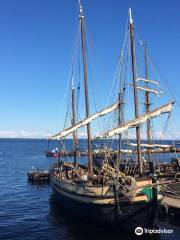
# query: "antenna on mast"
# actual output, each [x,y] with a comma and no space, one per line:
[81,8]
[130,16]
[72,83]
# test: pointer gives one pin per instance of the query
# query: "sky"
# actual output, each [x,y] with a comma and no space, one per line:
[36,39]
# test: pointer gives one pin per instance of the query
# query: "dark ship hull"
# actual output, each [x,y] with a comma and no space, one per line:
[104,211]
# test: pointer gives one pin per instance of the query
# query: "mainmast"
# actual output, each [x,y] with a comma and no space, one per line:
[120,122]
[136,103]
[81,17]
[75,141]
[147,105]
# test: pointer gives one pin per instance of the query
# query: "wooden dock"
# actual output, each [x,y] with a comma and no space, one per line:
[38,176]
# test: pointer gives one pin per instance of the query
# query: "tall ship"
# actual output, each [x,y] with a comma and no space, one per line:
[108,193]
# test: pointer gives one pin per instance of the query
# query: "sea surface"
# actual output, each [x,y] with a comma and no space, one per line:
[32,212]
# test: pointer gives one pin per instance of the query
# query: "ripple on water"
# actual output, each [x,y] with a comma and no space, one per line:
[31,212]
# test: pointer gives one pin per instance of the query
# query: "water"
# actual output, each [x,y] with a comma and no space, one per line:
[31,212]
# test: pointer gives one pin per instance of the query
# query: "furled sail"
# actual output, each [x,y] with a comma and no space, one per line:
[147,80]
[138,121]
[84,122]
[126,151]
[151,145]
[149,90]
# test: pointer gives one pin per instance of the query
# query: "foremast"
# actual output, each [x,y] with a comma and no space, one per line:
[81,19]
[75,140]
[136,102]
[120,122]
[147,105]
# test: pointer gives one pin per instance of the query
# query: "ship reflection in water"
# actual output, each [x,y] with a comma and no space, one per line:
[70,227]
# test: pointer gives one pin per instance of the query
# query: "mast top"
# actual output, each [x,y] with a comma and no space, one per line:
[80,9]
[130,16]
[72,83]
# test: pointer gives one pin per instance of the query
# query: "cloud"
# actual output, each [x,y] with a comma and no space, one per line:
[22,134]
[173,135]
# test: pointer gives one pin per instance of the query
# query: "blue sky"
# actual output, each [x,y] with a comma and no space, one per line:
[36,39]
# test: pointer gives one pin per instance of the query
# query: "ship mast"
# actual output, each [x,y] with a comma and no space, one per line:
[136,103]
[75,141]
[81,18]
[147,105]
[120,122]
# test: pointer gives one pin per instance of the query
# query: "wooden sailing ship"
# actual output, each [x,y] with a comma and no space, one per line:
[100,152]
[105,194]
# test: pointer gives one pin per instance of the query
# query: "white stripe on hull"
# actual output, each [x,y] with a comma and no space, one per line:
[91,194]
[62,189]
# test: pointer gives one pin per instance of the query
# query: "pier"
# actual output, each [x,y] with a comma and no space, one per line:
[39,176]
